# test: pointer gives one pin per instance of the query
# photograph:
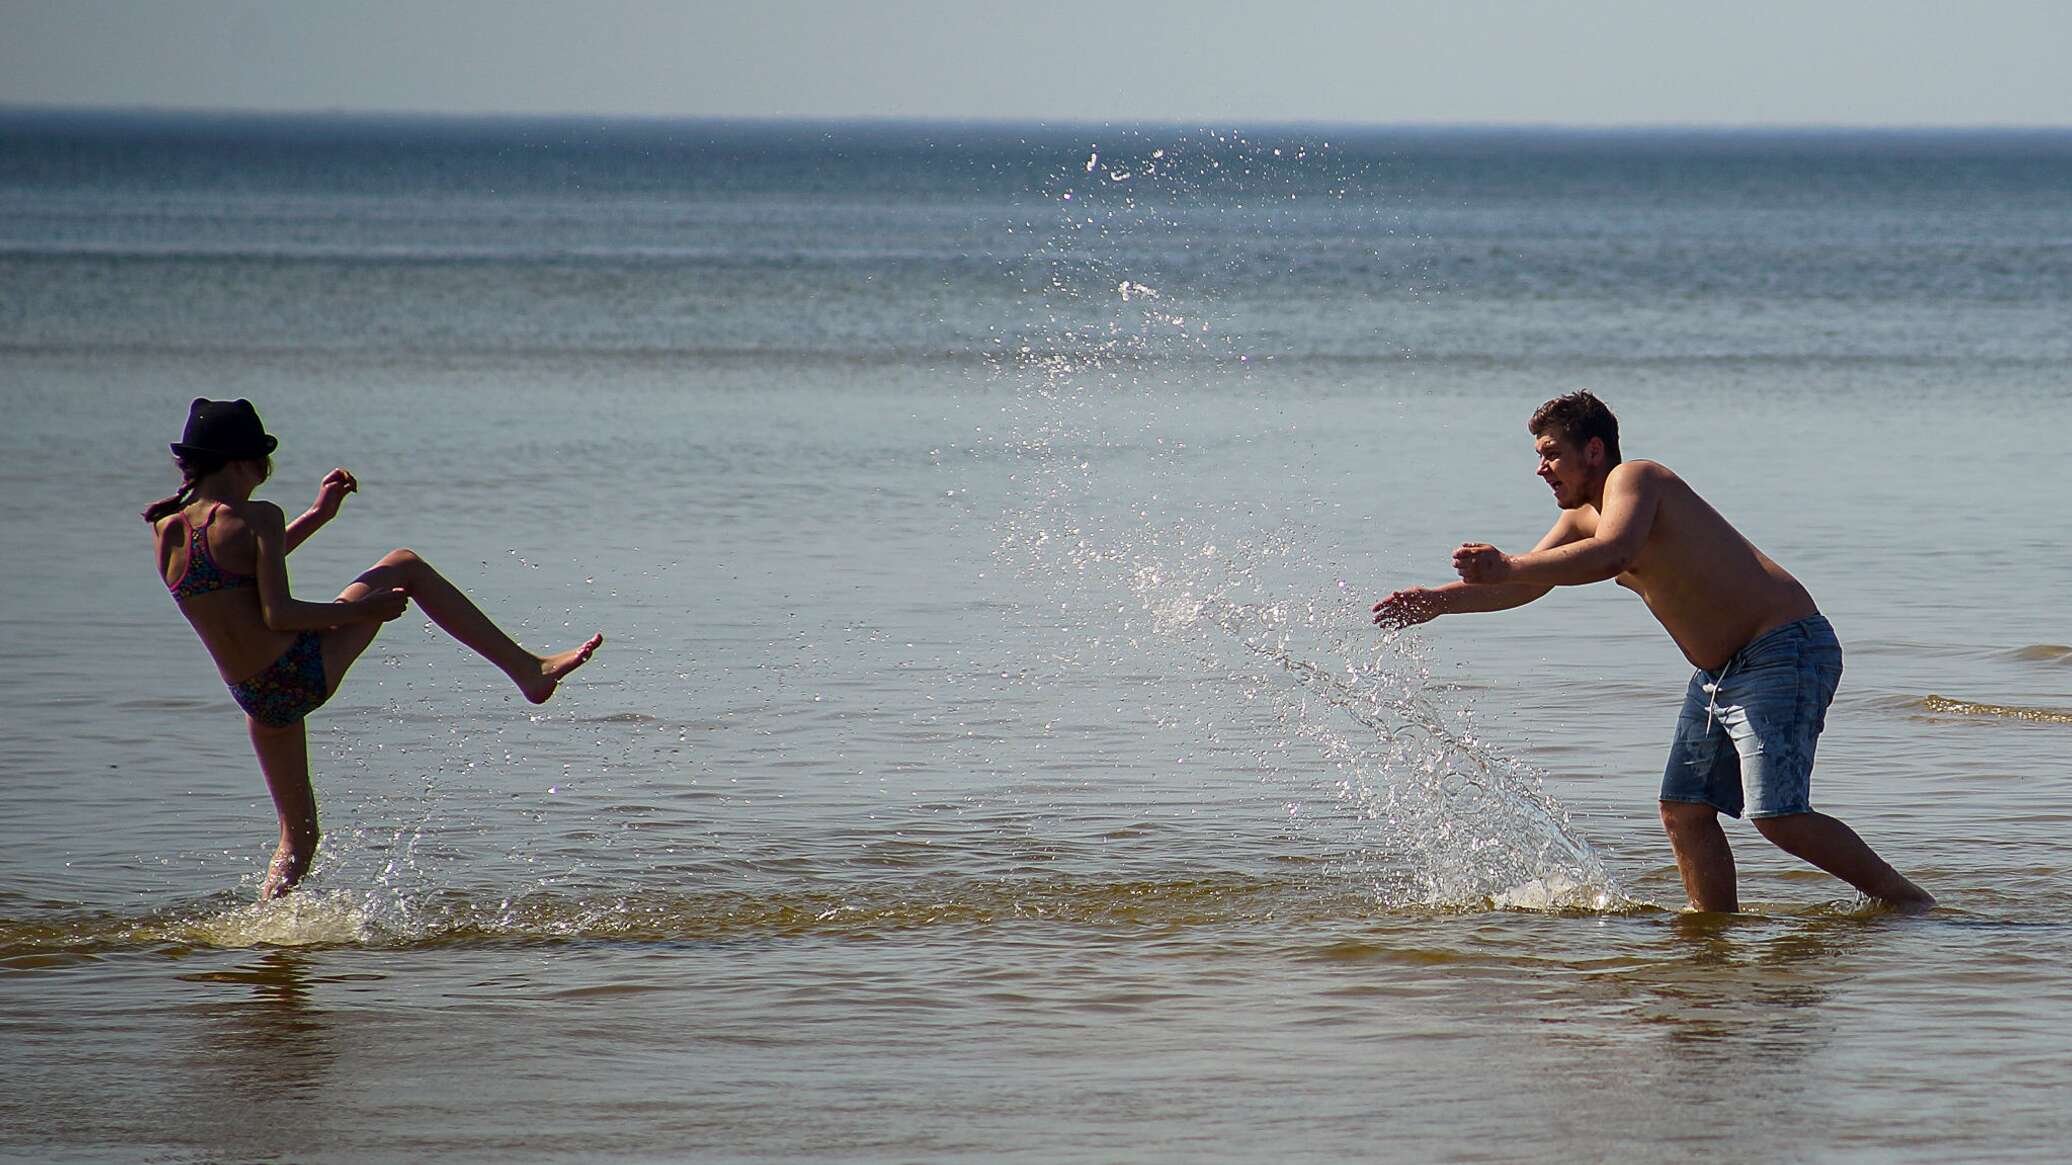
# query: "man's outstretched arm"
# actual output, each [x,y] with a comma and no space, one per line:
[1631,497]
[1416,605]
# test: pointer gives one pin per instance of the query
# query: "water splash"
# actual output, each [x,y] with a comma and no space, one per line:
[1132,514]
[1450,819]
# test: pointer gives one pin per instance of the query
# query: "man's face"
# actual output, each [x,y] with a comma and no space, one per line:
[1565,467]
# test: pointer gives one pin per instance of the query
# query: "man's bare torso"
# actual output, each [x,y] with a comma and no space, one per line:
[1712,590]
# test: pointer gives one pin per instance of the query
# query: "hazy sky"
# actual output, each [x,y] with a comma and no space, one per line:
[1824,62]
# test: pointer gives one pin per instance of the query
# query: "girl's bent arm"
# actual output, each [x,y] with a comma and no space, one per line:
[298,531]
[330,495]
[281,609]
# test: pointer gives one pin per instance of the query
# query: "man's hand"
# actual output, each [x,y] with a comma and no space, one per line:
[1479,562]
[331,493]
[1408,608]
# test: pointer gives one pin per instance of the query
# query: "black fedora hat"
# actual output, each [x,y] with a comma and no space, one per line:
[229,429]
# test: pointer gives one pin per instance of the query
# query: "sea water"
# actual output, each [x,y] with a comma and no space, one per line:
[990,755]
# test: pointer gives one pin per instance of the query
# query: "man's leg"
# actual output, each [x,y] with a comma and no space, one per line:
[1794,697]
[1702,855]
[1828,843]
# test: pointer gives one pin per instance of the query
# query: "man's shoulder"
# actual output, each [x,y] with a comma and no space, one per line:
[1651,476]
[1641,467]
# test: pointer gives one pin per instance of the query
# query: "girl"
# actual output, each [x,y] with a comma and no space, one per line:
[225,558]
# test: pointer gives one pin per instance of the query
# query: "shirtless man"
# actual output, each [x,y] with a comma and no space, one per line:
[1767,661]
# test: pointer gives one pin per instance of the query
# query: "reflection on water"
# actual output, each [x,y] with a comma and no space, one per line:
[1712,1033]
[272,1043]
[1605,1032]
[260,1059]
[1746,983]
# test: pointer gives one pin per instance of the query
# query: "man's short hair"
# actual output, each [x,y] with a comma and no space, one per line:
[1576,418]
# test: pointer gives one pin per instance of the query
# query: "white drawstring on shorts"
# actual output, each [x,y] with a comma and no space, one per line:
[1711,690]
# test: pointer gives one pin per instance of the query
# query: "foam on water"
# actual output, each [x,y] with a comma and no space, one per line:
[1207,908]
[299,920]
[1946,706]
[1261,647]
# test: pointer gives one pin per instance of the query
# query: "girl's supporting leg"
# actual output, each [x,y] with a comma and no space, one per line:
[535,675]
[284,759]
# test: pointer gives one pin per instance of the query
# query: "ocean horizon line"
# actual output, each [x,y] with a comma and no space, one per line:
[113,115]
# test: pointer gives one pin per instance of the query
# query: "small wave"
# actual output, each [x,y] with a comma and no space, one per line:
[320,918]
[2043,653]
[1943,705]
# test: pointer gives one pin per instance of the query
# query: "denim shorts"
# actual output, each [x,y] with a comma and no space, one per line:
[1752,728]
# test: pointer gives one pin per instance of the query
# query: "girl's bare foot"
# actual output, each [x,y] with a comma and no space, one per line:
[539,688]
[282,873]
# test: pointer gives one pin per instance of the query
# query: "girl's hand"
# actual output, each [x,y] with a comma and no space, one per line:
[382,606]
[331,493]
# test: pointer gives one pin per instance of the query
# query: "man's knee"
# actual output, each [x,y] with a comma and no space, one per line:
[402,558]
[1683,817]
[1784,831]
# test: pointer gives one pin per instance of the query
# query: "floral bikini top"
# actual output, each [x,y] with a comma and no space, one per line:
[204,575]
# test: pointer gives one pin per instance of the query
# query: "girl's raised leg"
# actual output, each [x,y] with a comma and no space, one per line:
[284,759]
[535,675]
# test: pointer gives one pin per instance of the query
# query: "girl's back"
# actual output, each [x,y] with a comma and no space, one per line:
[208,559]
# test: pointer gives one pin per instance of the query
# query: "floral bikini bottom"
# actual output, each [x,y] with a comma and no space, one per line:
[290,688]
